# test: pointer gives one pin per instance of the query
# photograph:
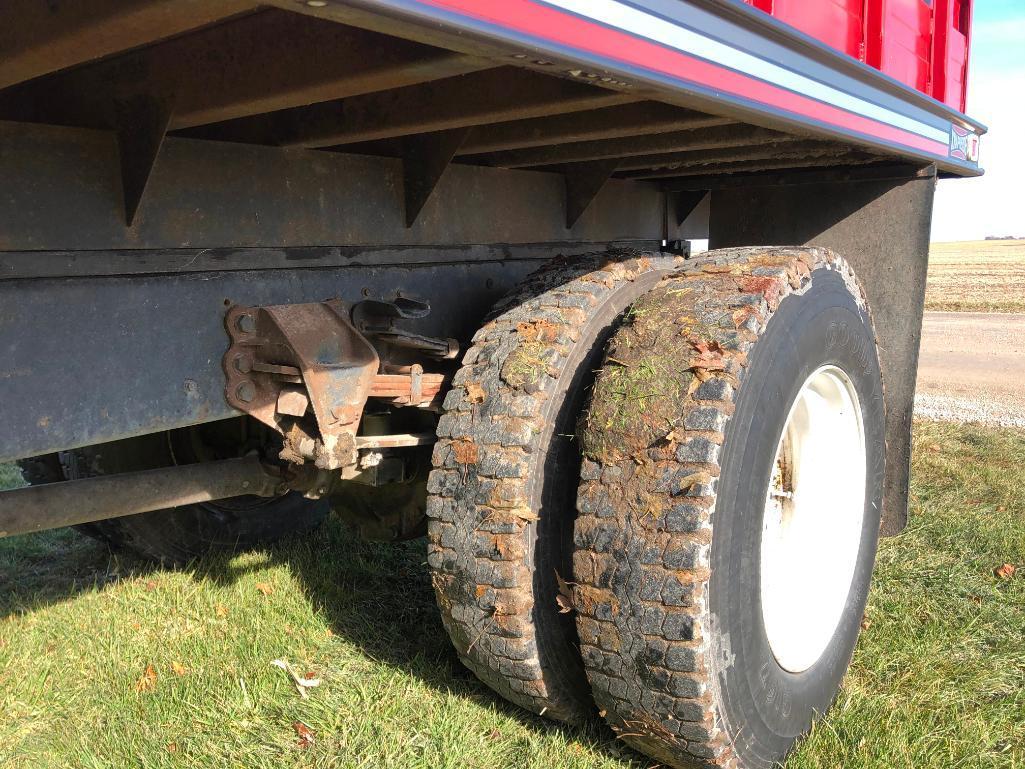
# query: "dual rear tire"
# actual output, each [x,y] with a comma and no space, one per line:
[729,457]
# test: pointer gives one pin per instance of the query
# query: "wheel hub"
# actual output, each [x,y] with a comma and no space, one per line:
[812,524]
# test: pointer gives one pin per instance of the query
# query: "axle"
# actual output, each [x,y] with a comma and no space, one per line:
[68,503]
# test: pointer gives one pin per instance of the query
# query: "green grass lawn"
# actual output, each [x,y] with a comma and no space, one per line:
[938,679]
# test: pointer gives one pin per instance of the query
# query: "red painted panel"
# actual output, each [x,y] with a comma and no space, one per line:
[839,23]
[950,51]
[907,42]
[896,36]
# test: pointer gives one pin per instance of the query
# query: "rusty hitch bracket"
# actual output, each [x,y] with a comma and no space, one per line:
[276,350]
[307,372]
[68,503]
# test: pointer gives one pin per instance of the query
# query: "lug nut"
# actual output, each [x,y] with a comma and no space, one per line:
[245,392]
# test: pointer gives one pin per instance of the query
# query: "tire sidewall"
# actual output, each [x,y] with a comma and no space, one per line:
[764,707]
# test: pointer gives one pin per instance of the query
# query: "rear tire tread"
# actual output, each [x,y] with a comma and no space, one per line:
[643,533]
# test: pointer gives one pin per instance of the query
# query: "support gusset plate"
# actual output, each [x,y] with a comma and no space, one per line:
[583,183]
[140,122]
[684,203]
[425,158]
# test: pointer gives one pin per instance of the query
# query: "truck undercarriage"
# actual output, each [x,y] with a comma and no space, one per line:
[252,252]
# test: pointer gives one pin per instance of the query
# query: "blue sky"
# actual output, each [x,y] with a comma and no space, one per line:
[970,209]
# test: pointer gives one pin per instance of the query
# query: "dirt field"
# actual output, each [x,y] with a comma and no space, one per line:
[977,276]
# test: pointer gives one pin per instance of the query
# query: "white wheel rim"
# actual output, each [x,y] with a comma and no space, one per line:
[812,525]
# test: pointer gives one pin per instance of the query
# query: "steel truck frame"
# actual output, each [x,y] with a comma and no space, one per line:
[256,258]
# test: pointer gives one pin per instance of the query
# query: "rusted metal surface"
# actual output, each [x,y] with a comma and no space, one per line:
[413,389]
[377,319]
[306,371]
[69,503]
[311,344]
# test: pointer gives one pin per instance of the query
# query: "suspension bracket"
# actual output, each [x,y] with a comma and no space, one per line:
[307,372]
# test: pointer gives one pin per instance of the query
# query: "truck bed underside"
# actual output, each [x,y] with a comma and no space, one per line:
[472,84]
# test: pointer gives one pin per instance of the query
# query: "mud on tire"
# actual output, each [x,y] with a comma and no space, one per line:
[680,440]
[502,496]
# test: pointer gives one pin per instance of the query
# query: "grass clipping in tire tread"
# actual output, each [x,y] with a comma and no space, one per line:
[651,440]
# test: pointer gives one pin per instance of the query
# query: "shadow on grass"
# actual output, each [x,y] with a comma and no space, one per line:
[377,596]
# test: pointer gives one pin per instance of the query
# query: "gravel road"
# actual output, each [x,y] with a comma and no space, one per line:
[972,368]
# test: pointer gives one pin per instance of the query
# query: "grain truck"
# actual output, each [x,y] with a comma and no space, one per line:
[428,264]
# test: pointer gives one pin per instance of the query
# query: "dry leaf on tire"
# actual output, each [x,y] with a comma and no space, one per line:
[565,597]
[524,513]
[475,393]
[694,479]
[465,452]
[709,356]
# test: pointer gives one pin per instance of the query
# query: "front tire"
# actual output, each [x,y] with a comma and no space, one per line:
[691,574]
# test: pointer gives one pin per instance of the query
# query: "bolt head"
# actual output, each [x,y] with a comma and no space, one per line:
[246,391]
[246,323]
[243,363]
